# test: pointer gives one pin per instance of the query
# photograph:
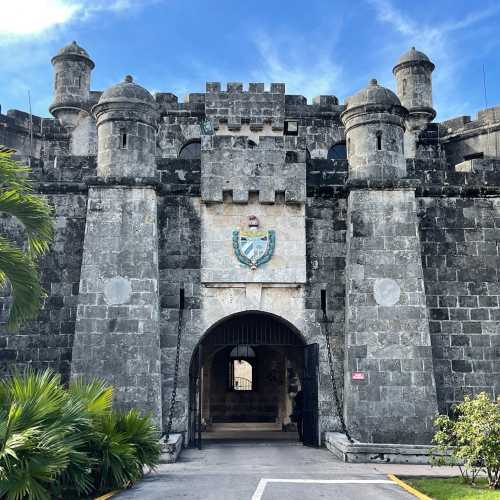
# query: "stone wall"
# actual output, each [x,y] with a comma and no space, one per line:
[219,262]
[238,165]
[117,327]
[179,240]
[390,394]
[326,212]
[462,136]
[460,258]
[47,342]
[233,107]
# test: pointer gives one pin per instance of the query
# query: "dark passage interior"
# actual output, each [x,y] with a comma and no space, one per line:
[249,369]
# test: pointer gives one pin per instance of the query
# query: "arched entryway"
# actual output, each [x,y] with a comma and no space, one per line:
[244,376]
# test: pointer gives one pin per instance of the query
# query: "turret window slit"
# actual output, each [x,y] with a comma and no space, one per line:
[123,138]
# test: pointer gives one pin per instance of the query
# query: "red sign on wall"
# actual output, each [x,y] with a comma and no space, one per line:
[358,376]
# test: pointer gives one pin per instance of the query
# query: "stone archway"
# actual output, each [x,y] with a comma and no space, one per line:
[275,366]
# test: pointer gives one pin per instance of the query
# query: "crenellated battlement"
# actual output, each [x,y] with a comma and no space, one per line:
[237,87]
[239,165]
[484,117]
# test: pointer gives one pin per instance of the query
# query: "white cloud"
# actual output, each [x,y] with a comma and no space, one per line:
[305,67]
[32,17]
[24,19]
[438,42]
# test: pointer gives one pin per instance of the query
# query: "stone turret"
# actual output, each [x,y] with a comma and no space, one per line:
[413,74]
[119,274]
[386,314]
[72,70]
[126,116]
[374,124]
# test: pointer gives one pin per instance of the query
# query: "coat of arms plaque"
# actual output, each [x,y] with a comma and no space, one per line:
[253,246]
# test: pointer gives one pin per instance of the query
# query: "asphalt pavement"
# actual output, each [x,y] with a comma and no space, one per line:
[278,470]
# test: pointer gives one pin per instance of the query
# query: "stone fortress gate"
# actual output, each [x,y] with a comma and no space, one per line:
[236,229]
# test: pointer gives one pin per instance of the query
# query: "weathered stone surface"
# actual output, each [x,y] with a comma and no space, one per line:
[219,262]
[387,332]
[190,172]
[117,331]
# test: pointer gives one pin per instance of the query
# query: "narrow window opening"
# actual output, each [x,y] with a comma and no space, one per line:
[379,141]
[181,299]
[404,87]
[79,82]
[323,301]
[123,138]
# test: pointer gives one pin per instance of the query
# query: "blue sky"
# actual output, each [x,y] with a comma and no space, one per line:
[314,46]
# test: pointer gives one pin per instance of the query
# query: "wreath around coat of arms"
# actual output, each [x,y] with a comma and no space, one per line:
[253,246]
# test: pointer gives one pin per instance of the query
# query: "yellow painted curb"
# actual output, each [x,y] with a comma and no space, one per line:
[408,488]
[107,495]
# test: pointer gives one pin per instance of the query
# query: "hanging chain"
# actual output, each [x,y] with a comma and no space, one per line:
[176,377]
[336,398]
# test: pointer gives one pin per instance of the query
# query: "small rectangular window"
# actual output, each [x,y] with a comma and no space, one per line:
[123,138]
[379,141]
[291,127]
[323,301]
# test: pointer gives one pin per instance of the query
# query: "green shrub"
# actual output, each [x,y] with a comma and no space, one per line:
[58,443]
[471,439]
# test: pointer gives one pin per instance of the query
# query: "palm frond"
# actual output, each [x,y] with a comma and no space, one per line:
[13,175]
[22,274]
[97,395]
[68,443]
[142,433]
[34,213]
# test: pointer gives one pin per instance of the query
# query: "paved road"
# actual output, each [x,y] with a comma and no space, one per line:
[264,471]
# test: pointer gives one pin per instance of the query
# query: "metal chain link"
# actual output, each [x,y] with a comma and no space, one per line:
[176,377]
[338,405]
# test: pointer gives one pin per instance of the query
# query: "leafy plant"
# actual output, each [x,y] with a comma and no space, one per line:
[68,443]
[18,265]
[471,440]
[34,448]
[124,443]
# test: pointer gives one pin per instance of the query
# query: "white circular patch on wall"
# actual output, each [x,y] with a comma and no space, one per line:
[386,291]
[117,290]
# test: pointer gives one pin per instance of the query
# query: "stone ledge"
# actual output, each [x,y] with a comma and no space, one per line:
[61,187]
[378,184]
[171,450]
[123,182]
[458,191]
[358,452]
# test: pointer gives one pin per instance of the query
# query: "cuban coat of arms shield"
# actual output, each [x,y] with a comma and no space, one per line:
[253,246]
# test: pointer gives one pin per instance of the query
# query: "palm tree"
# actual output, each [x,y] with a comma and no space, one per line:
[18,265]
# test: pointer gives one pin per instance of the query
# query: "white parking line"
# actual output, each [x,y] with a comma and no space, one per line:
[263,482]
